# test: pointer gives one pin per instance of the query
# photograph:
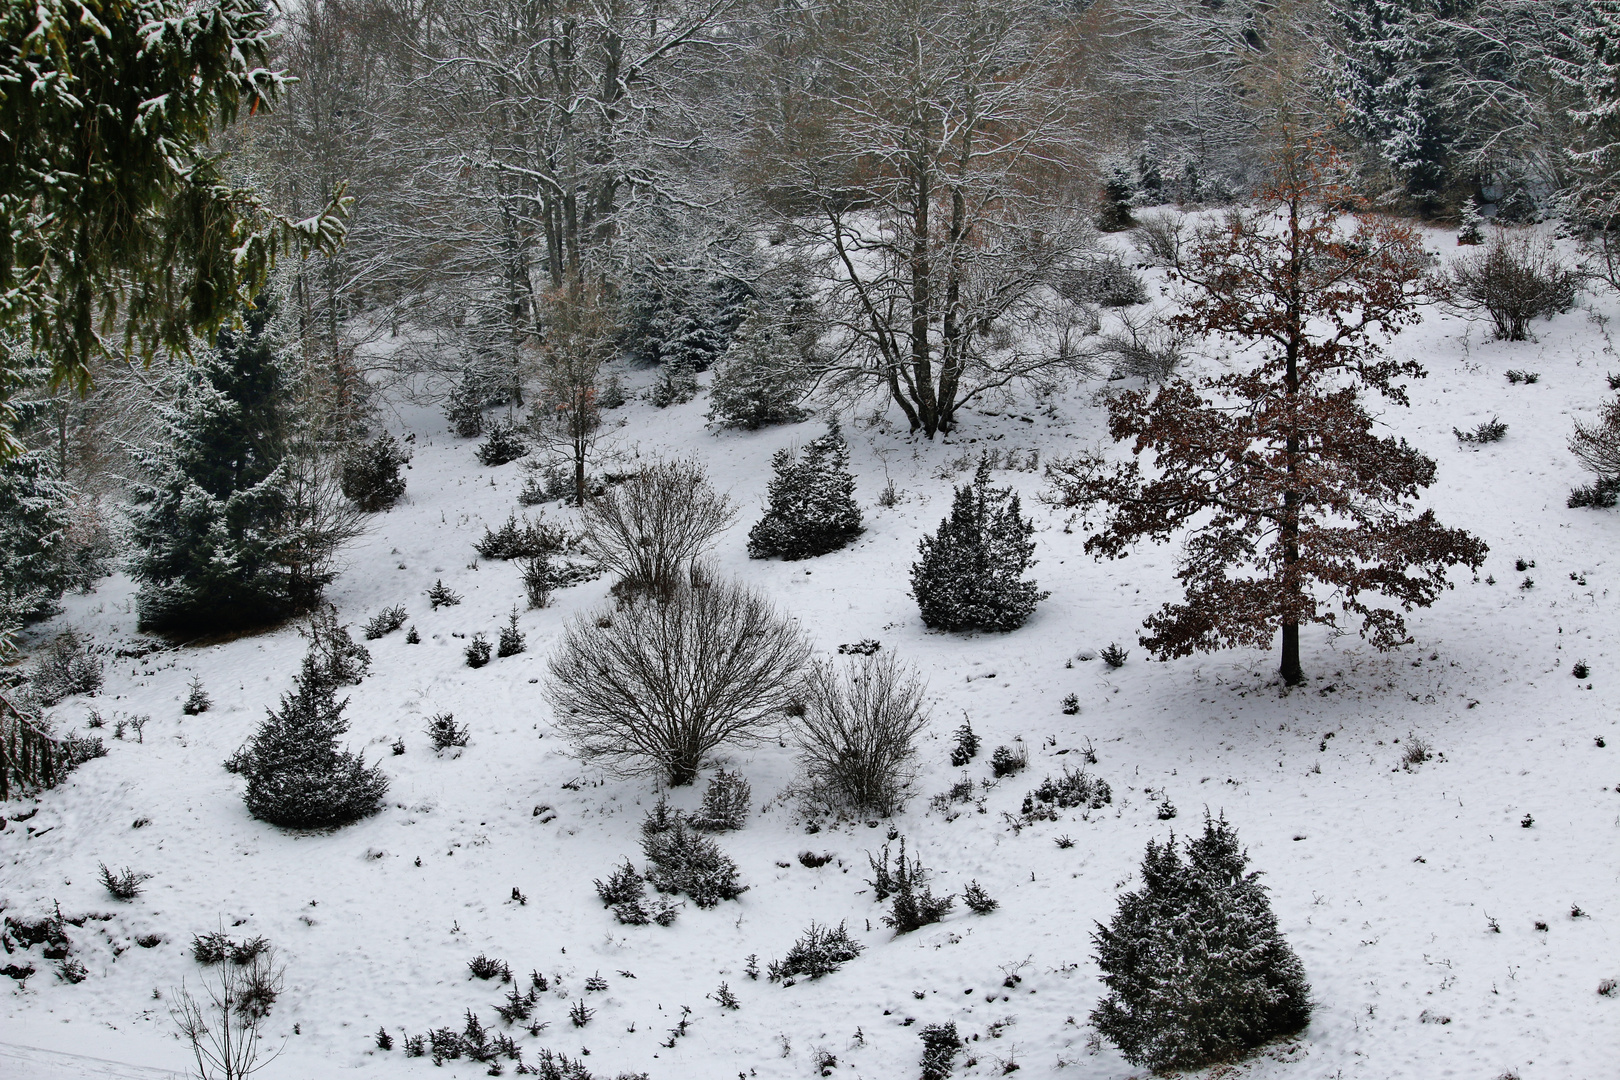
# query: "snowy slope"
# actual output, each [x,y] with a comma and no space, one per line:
[1383,879]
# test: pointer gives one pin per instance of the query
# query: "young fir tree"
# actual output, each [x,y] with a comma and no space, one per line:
[811,508]
[970,576]
[371,474]
[1287,492]
[34,523]
[1196,968]
[297,775]
[759,380]
[212,547]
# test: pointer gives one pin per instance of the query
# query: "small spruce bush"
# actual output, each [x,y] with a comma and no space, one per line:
[197,699]
[685,861]
[69,666]
[539,579]
[1007,760]
[906,882]
[385,622]
[760,378]
[1488,431]
[342,660]
[977,900]
[511,640]
[966,747]
[371,475]
[970,576]
[477,651]
[503,443]
[443,732]
[940,1046]
[440,595]
[676,385]
[1070,789]
[519,541]
[811,502]
[725,803]
[124,885]
[820,950]
[1181,1000]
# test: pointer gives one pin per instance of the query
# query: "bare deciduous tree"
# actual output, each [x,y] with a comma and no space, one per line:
[226,1029]
[650,528]
[859,732]
[579,338]
[664,680]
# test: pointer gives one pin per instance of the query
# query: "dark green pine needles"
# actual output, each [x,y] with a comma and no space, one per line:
[1196,969]
[970,576]
[812,507]
[297,775]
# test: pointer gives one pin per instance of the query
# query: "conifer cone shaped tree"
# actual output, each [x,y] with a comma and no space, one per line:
[759,380]
[970,576]
[811,509]
[208,527]
[297,775]
[1196,968]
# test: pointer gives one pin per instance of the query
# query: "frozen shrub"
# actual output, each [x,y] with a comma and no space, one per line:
[1159,236]
[650,529]
[970,576]
[477,651]
[1180,1000]
[940,1046]
[1114,656]
[1580,670]
[125,885]
[685,861]
[1489,431]
[297,776]
[676,385]
[412,637]
[1103,280]
[1416,753]
[625,885]
[385,622]
[821,950]
[1118,188]
[511,640]
[858,733]
[966,747]
[1147,347]
[1007,760]
[67,667]
[612,395]
[440,595]
[504,443]
[342,660]
[915,904]
[519,541]
[977,900]
[197,699]
[661,682]
[725,803]
[539,579]
[1513,279]
[1597,446]
[250,950]
[1515,376]
[487,967]
[811,504]
[209,949]
[760,380]
[371,475]
[443,732]
[1071,789]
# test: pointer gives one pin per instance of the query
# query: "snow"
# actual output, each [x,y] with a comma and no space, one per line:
[1384,879]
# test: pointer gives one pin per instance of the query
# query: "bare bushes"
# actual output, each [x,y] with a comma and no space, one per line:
[651,528]
[859,731]
[1513,279]
[1597,446]
[224,1023]
[663,680]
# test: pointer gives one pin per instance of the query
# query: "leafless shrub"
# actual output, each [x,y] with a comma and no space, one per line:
[1160,236]
[650,528]
[225,1027]
[666,678]
[1513,279]
[1597,446]
[1144,347]
[859,732]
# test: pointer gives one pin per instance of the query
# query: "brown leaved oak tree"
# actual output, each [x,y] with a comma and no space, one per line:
[1293,505]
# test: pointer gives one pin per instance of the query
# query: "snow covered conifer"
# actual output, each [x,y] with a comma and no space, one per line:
[970,576]
[371,473]
[297,775]
[1196,968]
[759,381]
[209,526]
[811,508]
[34,524]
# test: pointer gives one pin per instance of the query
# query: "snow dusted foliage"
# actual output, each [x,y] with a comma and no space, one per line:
[297,775]
[811,505]
[1597,446]
[970,576]
[208,526]
[858,734]
[664,679]
[34,523]
[1196,968]
[760,381]
[371,475]
[1512,278]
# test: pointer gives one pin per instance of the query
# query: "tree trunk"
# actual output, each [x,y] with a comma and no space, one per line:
[1292,673]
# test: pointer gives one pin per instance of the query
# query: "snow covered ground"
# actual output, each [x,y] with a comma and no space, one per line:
[1387,881]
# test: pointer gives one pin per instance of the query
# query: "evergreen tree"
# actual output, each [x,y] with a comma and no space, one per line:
[34,522]
[1196,968]
[811,509]
[371,473]
[1387,83]
[970,576]
[759,382]
[210,526]
[297,776]
[1594,74]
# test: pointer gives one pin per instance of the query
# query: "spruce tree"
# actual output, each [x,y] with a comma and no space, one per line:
[1196,968]
[33,530]
[210,525]
[759,381]
[811,509]
[371,474]
[970,576]
[297,776]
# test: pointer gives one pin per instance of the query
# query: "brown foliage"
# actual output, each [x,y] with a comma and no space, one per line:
[1288,495]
